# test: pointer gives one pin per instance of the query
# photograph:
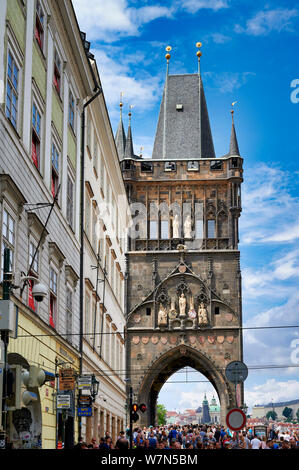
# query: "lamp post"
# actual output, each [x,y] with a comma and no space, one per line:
[94,387]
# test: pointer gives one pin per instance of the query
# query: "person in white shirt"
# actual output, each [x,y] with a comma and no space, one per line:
[255,443]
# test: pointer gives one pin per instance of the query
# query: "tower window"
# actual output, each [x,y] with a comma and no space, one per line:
[170,166]
[193,166]
[179,107]
[148,311]
[216,165]
[211,228]
[146,167]
[217,311]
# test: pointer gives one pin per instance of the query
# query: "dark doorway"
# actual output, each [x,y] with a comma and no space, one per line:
[68,431]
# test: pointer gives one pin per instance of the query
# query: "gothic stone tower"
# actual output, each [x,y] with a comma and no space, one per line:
[183,280]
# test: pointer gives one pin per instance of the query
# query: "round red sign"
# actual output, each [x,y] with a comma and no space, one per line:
[236,419]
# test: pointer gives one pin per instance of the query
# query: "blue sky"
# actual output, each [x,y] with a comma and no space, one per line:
[250,54]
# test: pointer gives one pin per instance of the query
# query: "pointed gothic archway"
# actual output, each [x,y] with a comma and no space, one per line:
[169,363]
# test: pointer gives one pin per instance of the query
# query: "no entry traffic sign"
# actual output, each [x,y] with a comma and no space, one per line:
[236,419]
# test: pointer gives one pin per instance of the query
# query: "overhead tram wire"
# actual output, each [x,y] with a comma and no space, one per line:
[236,328]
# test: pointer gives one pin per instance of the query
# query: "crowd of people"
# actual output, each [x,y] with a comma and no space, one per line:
[195,437]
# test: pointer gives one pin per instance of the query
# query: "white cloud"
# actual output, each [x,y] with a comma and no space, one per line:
[270,211]
[142,92]
[278,391]
[264,22]
[193,6]
[108,20]
[227,82]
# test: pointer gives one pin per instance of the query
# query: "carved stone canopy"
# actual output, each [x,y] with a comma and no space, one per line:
[163,297]
[182,287]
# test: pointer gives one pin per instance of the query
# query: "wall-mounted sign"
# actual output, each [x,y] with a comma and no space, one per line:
[84,382]
[63,402]
[66,379]
[84,401]
[86,411]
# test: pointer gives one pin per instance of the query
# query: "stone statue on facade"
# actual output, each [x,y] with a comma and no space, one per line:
[187,227]
[172,312]
[162,316]
[182,305]
[202,314]
[192,312]
[175,226]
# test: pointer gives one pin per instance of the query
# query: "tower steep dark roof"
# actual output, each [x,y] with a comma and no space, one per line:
[233,145]
[183,129]
[129,150]
[120,140]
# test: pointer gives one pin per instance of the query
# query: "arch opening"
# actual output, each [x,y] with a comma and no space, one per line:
[171,362]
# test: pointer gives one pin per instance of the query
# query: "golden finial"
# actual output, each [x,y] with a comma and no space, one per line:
[199,54]
[167,56]
[141,149]
[130,113]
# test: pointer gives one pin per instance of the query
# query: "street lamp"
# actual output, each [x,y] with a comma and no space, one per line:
[94,387]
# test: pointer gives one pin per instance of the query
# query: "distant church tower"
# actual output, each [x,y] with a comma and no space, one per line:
[206,418]
[183,278]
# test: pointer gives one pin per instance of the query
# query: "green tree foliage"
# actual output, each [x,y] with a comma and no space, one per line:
[271,415]
[161,413]
[297,415]
[287,412]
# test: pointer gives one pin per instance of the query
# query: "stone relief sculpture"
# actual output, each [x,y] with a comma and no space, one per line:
[187,227]
[202,314]
[172,312]
[162,316]
[182,305]
[175,226]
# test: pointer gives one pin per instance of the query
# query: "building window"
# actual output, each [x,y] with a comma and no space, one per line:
[94,230]
[146,167]
[69,314]
[87,215]
[36,136]
[199,228]
[216,165]
[12,87]
[170,166]
[95,154]
[53,298]
[72,111]
[153,229]
[193,166]
[39,25]
[8,239]
[33,271]
[211,228]
[164,229]
[70,201]
[55,170]
[57,72]
[87,316]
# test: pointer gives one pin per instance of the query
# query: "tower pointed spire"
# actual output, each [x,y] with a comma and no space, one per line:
[183,129]
[233,145]
[120,136]
[129,150]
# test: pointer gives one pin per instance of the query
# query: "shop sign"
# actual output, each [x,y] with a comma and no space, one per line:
[85,382]
[63,402]
[66,379]
[85,411]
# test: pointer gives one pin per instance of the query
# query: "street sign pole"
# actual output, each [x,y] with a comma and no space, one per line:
[130,411]
[5,339]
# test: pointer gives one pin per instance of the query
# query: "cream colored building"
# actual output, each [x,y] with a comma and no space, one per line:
[45,78]
[105,212]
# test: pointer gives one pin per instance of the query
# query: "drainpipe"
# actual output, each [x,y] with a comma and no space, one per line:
[98,91]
